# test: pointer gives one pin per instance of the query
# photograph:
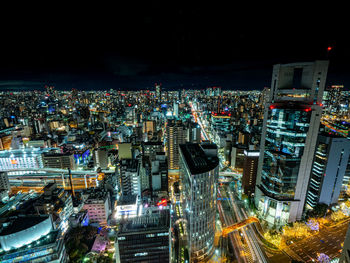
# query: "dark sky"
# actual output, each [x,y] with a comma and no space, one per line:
[182,45]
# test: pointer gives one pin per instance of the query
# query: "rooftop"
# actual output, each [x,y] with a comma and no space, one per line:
[21,223]
[151,222]
[197,161]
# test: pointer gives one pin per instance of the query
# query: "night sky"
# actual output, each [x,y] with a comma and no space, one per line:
[178,44]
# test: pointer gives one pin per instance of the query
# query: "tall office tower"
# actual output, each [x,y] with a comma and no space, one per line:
[158,91]
[199,171]
[130,177]
[237,156]
[193,132]
[175,135]
[250,168]
[288,140]
[328,169]
[176,109]
[144,238]
[335,97]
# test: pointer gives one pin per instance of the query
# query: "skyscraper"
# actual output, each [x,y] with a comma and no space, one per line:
[328,169]
[199,171]
[291,123]
[175,135]
[250,167]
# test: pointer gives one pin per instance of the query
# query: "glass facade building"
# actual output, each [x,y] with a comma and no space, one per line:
[199,171]
[284,146]
[291,123]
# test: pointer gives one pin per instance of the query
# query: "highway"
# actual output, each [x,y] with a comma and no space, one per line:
[240,247]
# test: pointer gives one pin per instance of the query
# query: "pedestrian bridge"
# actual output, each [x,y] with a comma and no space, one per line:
[228,229]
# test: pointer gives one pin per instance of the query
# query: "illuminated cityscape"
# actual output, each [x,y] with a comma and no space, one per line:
[175,133]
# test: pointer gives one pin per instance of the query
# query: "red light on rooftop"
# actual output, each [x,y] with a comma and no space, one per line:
[329,48]
[162,202]
[272,107]
[129,105]
[307,109]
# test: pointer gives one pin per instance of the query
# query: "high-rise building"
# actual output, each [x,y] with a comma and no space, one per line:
[159,173]
[328,169]
[291,123]
[250,168]
[144,239]
[130,177]
[193,132]
[335,97]
[176,109]
[175,135]
[158,91]
[199,171]
[237,156]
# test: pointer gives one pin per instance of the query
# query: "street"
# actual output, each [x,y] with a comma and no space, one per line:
[328,241]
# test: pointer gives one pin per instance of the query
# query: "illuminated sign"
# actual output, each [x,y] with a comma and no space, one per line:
[14,162]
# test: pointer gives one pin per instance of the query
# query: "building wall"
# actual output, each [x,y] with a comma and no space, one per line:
[285,154]
[249,172]
[329,167]
[175,136]
[199,203]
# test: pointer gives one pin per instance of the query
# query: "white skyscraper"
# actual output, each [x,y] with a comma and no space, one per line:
[291,123]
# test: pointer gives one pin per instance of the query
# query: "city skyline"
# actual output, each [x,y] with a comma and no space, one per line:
[175,132]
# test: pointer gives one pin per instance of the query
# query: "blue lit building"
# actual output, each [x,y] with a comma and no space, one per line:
[289,134]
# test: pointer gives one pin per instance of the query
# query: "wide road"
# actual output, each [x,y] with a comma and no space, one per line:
[238,243]
[249,235]
[327,241]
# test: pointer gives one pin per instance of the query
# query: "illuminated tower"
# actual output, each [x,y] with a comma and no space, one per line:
[199,172]
[291,123]
[175,135]
[158,91]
